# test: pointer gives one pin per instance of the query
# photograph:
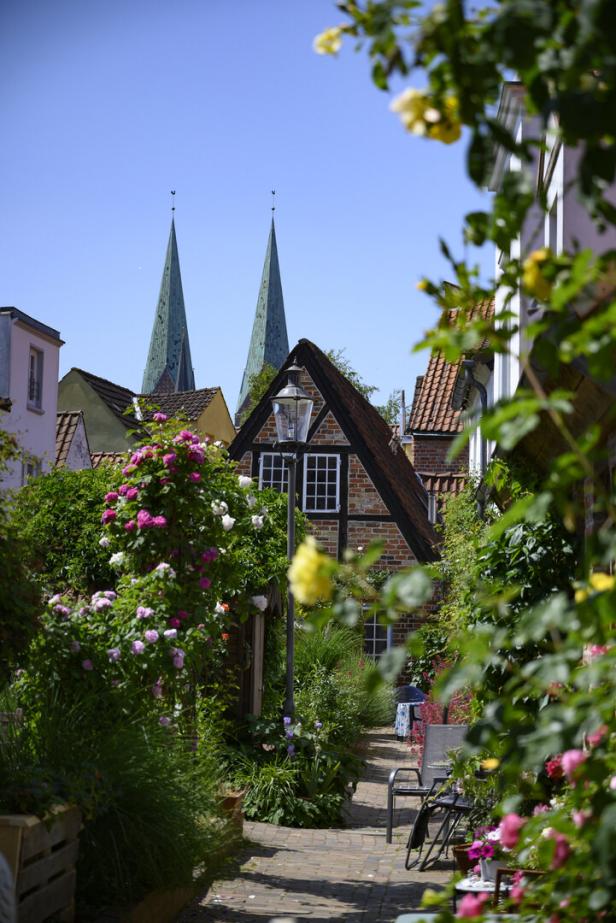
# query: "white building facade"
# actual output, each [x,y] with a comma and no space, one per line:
[29,363]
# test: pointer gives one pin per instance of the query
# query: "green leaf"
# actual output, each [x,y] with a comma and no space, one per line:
[411,588]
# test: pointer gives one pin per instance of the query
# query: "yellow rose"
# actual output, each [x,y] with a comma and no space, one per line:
[309,574]
[446,127]
[490,763]
[422,285]
[533,279]
[329,42]
[412,105]
[599,583]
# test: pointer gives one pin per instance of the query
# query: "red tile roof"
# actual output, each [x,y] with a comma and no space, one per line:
[66,426]
[107,458]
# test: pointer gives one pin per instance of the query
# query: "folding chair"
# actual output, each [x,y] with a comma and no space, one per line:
[439,739]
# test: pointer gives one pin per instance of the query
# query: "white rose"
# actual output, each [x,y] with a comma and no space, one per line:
[219,609]
[251,502]
[244,481]
[260,602]
[257,521]
[227,522]
[117,559]
[104,542]
[219,507]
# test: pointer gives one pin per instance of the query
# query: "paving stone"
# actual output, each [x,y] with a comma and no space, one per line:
[348,874]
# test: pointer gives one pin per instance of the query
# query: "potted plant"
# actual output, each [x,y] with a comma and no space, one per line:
[487,849]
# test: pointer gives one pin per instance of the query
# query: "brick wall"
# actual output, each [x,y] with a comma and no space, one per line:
[329,433]
[268,431]
[326,533]
[363,495]
[430,454]
[244,465]
[396,552]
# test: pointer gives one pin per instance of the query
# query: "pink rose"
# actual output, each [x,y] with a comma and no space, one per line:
[194,476]
[151,636]
[130,525]
[571,760]
[171,633]
[510,827]
[580,817]
[472,905]
[160,417]
[562,850]
[174,623]
[108,516]
[210,554]
[205,583]
[157,690]
[164,721]
[114,654]
[137,647]
[595,738]
[182,615]
[123,488]
[131,493]
[159,522]
[129,469]
[178,661]
[196,454]
[87,665]
[168,459]
[111,497]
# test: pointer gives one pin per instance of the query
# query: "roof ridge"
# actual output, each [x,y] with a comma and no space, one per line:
[107,381]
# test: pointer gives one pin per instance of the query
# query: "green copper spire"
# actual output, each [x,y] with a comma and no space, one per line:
[269,342]
[169,367]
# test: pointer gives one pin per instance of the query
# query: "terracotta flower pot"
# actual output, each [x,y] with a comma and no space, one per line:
[460,855]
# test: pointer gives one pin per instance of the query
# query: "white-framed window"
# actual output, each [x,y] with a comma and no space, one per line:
[321,483]
[376,637]
[273,472]
[35,378]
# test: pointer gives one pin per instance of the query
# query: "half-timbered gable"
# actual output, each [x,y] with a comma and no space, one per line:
[354,484]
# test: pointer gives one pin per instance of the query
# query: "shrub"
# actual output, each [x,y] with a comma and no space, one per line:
[58,520]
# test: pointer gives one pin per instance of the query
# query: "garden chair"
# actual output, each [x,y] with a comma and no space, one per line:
[439,739]
[448,805]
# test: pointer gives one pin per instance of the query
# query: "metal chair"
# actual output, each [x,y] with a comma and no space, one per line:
[439,739]
[450,806]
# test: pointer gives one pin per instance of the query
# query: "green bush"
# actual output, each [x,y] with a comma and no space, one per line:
[58,520]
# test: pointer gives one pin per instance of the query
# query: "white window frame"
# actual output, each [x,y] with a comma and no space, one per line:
[326,509]
[284,484]
[36,360]
[370,626]
[30,468]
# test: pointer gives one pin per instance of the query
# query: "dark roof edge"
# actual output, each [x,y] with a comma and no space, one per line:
[32,322]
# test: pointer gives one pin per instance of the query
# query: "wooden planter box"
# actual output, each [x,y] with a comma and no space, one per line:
[42,856]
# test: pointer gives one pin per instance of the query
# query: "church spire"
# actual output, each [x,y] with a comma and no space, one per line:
[269,343]
[169,367]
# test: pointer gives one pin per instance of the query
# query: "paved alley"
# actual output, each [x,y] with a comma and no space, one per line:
[347,874]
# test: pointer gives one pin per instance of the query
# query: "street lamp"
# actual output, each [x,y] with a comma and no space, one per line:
[292,410]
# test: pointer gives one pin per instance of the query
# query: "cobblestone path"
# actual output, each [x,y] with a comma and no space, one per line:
[347,874]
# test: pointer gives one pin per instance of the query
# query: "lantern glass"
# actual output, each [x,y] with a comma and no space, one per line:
[292,416]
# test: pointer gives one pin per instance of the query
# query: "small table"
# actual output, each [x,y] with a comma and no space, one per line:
[473,884]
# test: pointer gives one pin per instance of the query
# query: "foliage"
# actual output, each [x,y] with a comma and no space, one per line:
[257,386]
[57,518]
[338,358]
[390,410]
[136,785]
[19,605]
[541,637]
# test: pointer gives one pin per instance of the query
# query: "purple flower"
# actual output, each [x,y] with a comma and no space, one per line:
[210,554]
[75,647]
[151,636]
[114,654]
[130,525]
[205,583]
[291,750]
[123,488]
[194,476]
[111,497]
[102,603]
[61,610]
[144,519]
[157,690]
[288,734]
[160,417]
[171,633]
[131,493]
[87,664]
[137,647]
[178,661]
[168,459]
[110,594]
[129,469]
[108,516]
[159,522]
[196,454]
[164,721]
[286,721]
[186,435]
[318,725]
[143,612]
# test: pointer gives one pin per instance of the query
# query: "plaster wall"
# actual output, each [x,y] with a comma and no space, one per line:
[34,428]
[79,453]
[215,421]
[105,432]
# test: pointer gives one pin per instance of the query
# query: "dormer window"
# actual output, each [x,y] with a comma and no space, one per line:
[35,378]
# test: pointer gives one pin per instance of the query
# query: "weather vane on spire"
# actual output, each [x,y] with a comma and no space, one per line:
[273,201]
[172,201]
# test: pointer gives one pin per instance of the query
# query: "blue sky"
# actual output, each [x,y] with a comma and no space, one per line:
[106,105]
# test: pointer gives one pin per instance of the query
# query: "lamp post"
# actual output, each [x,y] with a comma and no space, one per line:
[292,410]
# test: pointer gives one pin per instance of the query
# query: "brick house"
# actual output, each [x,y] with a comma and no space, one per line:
[355,484]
